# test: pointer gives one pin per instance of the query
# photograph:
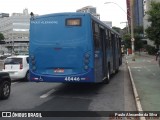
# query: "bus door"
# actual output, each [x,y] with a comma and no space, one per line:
[104,56]
[120,54]
[117,52]
[113,43]
[97,52]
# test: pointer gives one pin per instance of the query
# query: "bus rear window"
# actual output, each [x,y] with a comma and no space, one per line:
[73,22]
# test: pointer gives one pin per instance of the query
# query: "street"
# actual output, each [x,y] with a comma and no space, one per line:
[115,96]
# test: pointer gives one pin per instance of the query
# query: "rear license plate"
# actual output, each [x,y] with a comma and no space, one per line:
[59,70]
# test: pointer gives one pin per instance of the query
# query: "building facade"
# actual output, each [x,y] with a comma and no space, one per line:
[93,11]
[128,12]
[2,15]
[15,29]
[89,9]
[138,12]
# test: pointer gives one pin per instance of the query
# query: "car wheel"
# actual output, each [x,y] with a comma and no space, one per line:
[27,76]
[5,90]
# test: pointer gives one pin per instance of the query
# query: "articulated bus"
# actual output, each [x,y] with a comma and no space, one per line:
[73,48]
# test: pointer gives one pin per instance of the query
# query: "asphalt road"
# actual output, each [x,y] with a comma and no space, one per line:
[115,96]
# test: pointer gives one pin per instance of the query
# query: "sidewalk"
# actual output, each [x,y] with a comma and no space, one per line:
[146,76]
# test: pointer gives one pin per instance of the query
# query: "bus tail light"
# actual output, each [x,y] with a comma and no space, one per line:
[86,61]
[87,56]
[86,67]
[33,62]
[32,57]
[33,68]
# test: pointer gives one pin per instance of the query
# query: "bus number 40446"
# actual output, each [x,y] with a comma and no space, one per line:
[72,79]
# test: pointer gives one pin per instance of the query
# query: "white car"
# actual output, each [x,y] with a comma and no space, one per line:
[17,67]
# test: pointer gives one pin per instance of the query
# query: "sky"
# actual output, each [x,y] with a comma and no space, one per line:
[108,12]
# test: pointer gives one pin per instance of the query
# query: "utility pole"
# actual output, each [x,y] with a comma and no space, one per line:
[132,30]
[132,25]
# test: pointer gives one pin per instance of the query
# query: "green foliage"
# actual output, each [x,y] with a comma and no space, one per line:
[117,29]
[150,49]
[138,35]
[138,29]
[127,40]
[1,37]
[153,31]
[138,42]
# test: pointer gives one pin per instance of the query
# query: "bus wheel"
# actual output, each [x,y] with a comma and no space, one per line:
[108,75]
[117,70]
[106,81]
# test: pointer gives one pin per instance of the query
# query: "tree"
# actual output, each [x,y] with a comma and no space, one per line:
[153,31]
[139,30]
[1,37]
[127,41]
[138,35]
[138,42]
[117,29]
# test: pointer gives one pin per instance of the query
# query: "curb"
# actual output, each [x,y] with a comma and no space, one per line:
[136,96]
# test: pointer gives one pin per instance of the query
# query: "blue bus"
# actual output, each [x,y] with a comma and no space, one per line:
[74,48]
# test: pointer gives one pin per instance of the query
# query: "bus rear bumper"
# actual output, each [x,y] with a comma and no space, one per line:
[87,77]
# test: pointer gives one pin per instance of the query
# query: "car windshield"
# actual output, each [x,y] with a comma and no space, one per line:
[13,61]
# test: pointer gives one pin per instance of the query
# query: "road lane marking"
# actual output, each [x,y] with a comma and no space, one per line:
[154,74]
[136,67]
[14,83]
[48,93]
[149,70]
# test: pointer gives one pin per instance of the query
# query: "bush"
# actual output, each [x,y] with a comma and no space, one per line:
[150,49]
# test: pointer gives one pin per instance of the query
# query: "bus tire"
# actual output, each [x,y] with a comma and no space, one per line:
[27,76]
[117,70]
[107,80]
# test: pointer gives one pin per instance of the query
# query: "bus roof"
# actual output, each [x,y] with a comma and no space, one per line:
[61,14]
[76,14]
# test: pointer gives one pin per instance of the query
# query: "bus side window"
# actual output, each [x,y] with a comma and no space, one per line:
[109,41]
[115,37]
[96,35]
[117,42]
[107,38]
